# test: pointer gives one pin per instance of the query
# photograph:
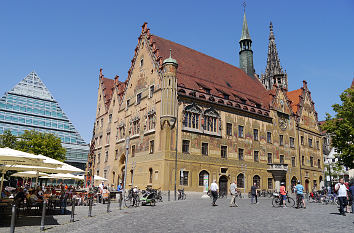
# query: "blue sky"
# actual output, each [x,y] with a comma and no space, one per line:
[66,42]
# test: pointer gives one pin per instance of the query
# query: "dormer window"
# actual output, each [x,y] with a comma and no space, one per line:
[207,90]
[226,96]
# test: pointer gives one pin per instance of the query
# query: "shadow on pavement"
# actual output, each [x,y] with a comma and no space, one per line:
[32,220]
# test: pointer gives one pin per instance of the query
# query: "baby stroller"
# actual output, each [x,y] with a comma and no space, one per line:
[148,198]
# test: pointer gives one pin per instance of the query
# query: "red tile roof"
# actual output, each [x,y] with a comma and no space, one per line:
[197,71]
[294,96]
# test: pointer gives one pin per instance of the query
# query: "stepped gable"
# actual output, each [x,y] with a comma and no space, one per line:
[294,96]
[108,85]
[198,71]
[108,89]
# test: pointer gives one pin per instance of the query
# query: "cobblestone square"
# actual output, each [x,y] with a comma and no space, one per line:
[197,215]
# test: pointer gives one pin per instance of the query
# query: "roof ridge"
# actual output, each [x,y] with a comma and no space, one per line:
[210,81]
[199,52]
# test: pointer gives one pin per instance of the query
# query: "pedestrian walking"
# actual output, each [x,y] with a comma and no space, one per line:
[214,191]
[254,193]
[342,196]
[351,195]
[233,191]
[283,194]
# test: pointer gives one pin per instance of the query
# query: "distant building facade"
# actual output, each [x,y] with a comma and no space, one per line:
[222,122]
[30,106]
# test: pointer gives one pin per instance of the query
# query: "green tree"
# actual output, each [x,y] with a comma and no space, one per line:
[7,139]
[41,143]
[341,128]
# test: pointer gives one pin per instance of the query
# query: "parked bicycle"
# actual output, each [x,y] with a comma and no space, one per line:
[132,199]
[299,201]
[278,200]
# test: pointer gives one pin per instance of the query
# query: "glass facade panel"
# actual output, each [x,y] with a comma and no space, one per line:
[30,96]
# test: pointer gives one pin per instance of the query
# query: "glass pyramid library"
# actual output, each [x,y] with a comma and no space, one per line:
[30,105]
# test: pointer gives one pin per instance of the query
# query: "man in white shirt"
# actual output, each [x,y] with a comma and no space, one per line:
[233,191]
[214,191]
[342,196]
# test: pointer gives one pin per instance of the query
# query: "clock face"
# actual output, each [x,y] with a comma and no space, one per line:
[283,123]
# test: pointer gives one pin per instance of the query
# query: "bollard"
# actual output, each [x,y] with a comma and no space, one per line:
[43,216]
[13,218]
[90,207]
[120,201]
[72,210]
[168,195]
[109,204]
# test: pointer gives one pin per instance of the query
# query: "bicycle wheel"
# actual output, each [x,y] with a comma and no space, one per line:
[290,202]
[128,202]
[276,202]
[184,196]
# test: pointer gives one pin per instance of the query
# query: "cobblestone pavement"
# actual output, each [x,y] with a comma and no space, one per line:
[197,215]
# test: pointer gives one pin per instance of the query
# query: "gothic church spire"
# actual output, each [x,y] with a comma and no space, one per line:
[246,53]
[274,73]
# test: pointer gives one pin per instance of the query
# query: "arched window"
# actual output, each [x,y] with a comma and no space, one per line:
[191,116]
[257,180]
[131,176]
[240,181]
[201,177]
[211,120]
[150,175]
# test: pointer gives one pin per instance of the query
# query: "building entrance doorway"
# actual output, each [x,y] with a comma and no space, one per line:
[307,185]
[223,185]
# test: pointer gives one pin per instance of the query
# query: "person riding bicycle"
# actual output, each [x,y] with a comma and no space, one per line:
[299,189]
[282,192]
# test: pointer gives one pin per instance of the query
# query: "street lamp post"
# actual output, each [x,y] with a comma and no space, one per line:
[290,179]
[176,150]
[244,166]
[133,168]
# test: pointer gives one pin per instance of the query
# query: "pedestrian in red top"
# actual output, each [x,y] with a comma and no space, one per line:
[283,193]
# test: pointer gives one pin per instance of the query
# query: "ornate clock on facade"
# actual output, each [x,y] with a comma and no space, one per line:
[283,123]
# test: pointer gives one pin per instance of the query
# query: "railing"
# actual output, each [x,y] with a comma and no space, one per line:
[278,167]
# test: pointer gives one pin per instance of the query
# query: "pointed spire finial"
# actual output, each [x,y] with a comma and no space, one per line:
[245,35]
[170,59]
[244,6]
[271,34]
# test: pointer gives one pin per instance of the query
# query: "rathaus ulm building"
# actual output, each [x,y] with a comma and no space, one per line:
[221,122]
